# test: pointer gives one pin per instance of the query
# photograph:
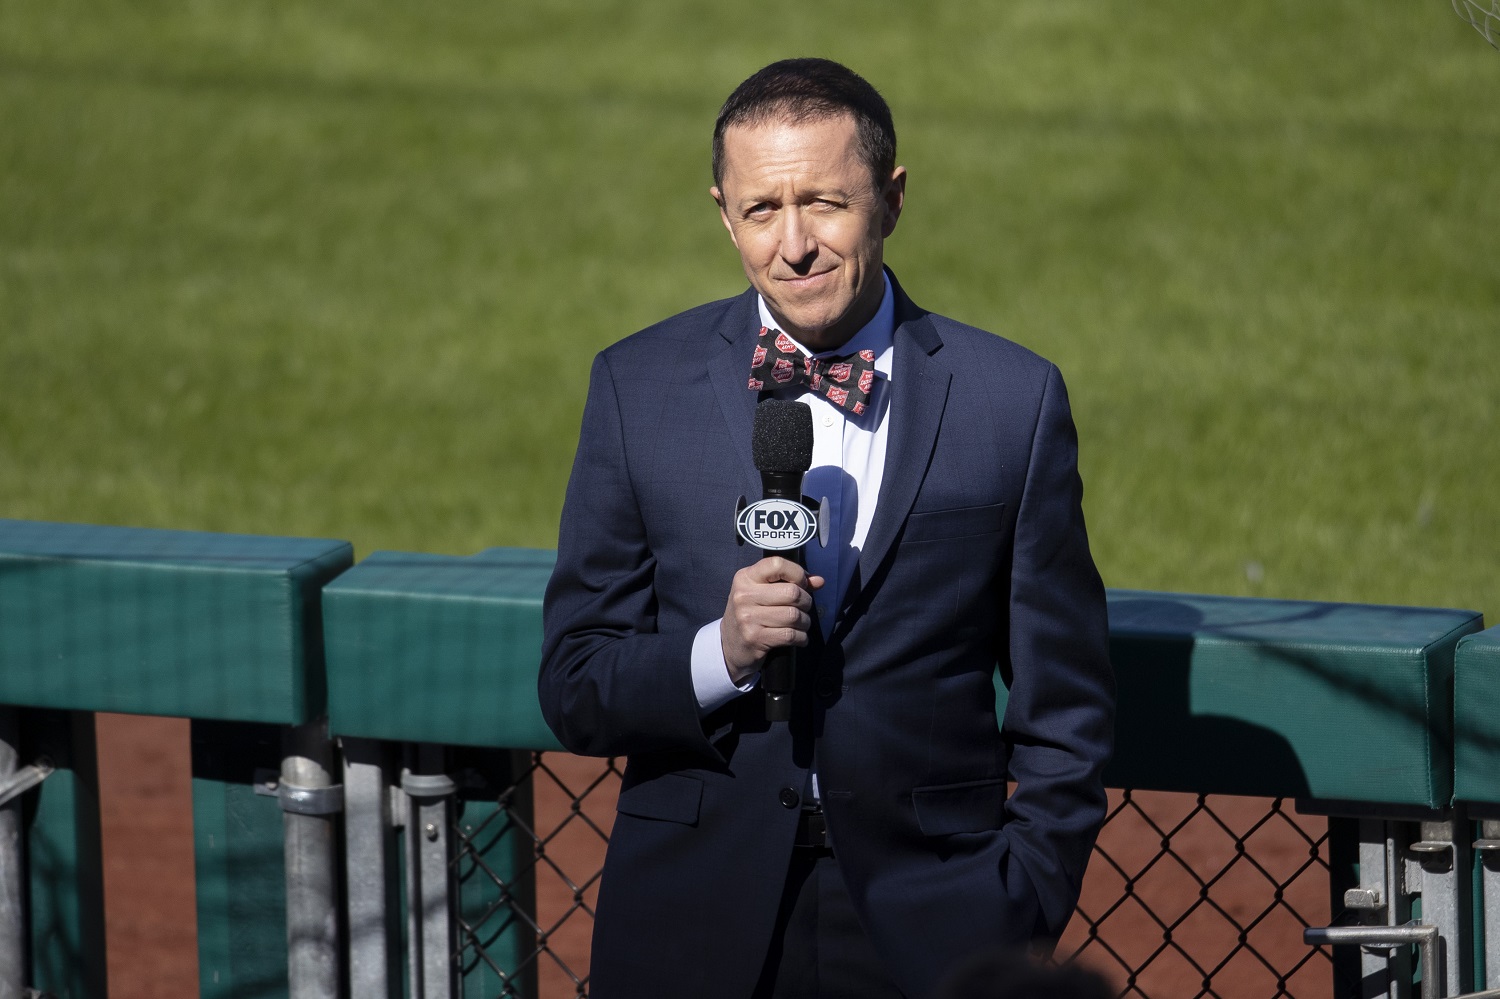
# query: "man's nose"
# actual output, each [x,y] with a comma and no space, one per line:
[797,240]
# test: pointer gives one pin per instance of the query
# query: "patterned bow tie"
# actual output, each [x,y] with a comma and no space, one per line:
[844,381]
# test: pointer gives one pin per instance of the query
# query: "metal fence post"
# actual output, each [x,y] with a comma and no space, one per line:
[1440,870]
[1488,849]
[12,869]
[369,873]
[310,800]
[429,897]
[429,872]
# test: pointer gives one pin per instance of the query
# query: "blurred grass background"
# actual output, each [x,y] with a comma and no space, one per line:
[296,268]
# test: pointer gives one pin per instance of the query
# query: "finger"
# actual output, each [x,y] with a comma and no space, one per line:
[780,595]
[778,569]
[797,620]
[792,637]
[794,634]
[771,620]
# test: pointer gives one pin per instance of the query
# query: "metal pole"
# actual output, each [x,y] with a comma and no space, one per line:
[367,840]
[12,866]
[1488,849]
[414,966]
[310,799]
[430,897]
[1446,864]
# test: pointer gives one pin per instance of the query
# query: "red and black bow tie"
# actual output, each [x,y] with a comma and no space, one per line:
[844,381]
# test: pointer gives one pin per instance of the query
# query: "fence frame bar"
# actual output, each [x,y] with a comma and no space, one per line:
[430,873]
[369,852]
[12,865]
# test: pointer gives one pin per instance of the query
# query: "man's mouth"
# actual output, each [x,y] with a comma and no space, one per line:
[806,278]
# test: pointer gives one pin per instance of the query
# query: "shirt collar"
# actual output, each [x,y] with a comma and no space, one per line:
[878,334]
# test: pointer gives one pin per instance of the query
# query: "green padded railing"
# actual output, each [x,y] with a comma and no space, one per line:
[433,648]
[1341,702]
[1476,723]
[183,623]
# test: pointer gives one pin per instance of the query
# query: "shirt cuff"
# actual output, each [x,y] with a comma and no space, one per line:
[711,683]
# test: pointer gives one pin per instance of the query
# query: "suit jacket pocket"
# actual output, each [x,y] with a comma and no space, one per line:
[973,806]
[958,522]
[672,797]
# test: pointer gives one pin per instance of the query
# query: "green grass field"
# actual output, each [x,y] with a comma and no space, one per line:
[294,268]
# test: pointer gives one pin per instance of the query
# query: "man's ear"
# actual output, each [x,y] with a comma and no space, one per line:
[718,196]
[894,196]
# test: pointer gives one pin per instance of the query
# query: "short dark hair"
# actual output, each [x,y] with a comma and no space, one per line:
[801,90]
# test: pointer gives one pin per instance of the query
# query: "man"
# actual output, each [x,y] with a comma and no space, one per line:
[868,846]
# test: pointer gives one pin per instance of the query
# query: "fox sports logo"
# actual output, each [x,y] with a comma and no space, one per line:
[776,524]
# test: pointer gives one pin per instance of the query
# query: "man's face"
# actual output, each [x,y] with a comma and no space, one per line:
[809,222]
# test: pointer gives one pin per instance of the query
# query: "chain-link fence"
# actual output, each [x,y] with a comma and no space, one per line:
[564,805]
[1188,895]
[1198,895]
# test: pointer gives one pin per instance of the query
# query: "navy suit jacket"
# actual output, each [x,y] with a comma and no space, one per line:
[976,559]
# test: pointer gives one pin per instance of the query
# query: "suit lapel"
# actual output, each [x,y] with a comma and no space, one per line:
[919,392]
[728,371]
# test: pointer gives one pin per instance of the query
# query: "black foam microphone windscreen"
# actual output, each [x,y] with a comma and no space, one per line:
[782,439]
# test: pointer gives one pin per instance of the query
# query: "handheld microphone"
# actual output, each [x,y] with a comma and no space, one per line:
[782,445]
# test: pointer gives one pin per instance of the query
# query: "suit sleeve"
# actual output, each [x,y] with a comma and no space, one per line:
[610,684]
[1059,720]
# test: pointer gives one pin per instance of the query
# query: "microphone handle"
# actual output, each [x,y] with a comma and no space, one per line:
[778,674]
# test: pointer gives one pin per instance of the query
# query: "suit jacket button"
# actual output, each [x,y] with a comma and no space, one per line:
[790,798]
[826,686]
